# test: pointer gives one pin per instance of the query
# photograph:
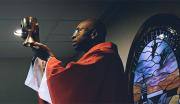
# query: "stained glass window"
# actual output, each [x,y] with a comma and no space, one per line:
[156,75]
[154,61]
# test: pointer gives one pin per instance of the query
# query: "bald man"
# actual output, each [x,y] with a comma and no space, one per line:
[97,77]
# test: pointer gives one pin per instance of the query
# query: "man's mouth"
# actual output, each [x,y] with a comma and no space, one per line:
[74,43]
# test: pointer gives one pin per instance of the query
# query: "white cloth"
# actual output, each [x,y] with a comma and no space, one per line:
[37,80]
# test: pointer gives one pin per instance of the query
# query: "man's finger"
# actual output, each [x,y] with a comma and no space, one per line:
[38,44]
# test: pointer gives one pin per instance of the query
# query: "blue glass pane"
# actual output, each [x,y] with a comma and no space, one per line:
[156,72]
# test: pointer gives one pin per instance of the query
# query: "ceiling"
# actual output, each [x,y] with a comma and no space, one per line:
[57,20]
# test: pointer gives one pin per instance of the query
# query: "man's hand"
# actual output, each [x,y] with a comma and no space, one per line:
[42,51]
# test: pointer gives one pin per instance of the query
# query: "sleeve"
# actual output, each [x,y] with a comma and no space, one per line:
[36,79]
[54,66]
[43,90]
[35,74]
[69,84]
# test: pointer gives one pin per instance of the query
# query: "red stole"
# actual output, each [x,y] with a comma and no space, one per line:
[97,77]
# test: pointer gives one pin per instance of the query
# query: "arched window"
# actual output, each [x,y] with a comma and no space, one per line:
[153,62]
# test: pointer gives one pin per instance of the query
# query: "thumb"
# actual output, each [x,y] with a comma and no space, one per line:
[38,45]
[43,47]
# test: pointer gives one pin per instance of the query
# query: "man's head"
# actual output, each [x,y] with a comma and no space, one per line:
[88,33]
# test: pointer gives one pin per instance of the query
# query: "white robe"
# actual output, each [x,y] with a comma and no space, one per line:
[37,80]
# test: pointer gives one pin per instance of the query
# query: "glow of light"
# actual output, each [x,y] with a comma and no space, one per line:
[18,32]
[161,36]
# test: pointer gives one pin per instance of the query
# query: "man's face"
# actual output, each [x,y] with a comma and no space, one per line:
[81,37]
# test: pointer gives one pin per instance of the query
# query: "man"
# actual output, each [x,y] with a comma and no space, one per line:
[97,77]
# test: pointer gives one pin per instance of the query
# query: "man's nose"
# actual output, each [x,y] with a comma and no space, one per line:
[28,41]
[74,35]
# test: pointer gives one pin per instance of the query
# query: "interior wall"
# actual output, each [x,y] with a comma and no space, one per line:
[12,76]
[125,18]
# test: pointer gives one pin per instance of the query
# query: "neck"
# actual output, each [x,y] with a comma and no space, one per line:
[88,47]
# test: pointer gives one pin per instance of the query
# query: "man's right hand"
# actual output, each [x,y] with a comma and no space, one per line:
[42,51]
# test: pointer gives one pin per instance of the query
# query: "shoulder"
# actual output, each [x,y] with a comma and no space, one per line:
[105,47]
[103,50]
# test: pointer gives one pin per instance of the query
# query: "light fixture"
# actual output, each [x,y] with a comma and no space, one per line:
[18,32]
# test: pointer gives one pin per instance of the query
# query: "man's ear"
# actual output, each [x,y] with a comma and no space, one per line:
[94,34]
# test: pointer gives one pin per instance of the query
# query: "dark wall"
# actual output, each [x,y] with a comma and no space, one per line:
[12,76]
[123,20]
